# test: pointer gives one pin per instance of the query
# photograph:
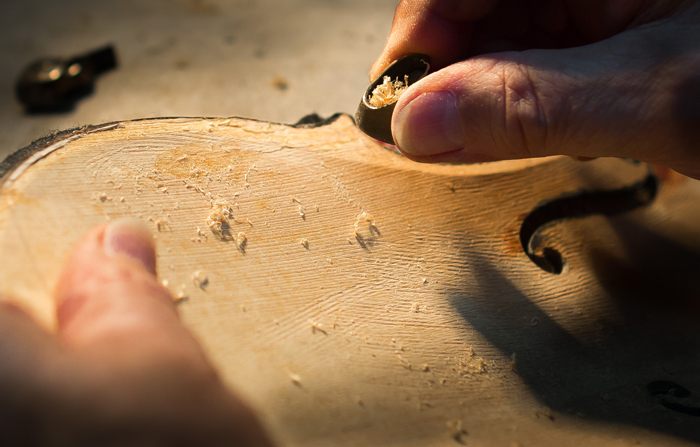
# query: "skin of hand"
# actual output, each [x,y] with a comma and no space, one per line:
[584,78]
[122,370]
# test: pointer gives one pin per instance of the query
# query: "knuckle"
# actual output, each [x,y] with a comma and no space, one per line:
[403,9]
[527,110]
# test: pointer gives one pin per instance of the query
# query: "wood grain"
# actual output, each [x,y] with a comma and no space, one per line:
[430,326]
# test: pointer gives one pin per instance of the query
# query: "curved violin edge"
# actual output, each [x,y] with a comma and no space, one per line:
[55,140]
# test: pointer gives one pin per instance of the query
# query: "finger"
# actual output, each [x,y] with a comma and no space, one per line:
[434,27]
[626,97]
[26,350]
[151,379]
[33,373]
[108,298]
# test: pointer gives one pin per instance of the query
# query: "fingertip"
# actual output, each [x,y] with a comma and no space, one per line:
[131,238]
[126,239]
[108,288]
[430,124]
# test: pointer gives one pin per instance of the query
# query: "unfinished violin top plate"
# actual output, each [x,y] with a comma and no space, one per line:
[354,297]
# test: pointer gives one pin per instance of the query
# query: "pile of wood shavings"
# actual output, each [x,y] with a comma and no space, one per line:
[388,92]
[219,216]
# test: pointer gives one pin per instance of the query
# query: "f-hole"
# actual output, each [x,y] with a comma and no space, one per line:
[583,204]
[674,397]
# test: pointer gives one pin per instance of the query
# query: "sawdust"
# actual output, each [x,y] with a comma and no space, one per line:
[543,412]
[388,92]
[315,326]
[459,434]
[470,364]
[200,280]
[295,378]
[218,219]
[161,224]
[513,363]
[363,217]
[416,308]
[241,241]
[180,297]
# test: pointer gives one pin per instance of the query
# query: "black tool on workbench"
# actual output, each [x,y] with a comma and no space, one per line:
[376,121]
[55,84]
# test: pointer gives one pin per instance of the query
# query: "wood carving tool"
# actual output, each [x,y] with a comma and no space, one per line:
[373,115]
[55,84]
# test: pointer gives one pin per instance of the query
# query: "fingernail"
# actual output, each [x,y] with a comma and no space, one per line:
[429,125]
[130,237]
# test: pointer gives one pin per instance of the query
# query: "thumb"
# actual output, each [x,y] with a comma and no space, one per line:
[635,95]
[109,300]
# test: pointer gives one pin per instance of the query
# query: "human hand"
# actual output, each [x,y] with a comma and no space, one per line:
[607,78]
[122,369]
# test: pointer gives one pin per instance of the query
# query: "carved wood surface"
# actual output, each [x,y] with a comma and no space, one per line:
[377,301]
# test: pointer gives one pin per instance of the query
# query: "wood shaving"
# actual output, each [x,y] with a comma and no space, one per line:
[218,220]
[544,412]
[241,240]
[316,327]
[405,363]
[295,378]
[362,217]
[388,92]
[459,434]
[161,224]
[200,279]
[416,308]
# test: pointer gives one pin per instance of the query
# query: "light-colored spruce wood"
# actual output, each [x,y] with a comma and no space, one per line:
[406,334]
